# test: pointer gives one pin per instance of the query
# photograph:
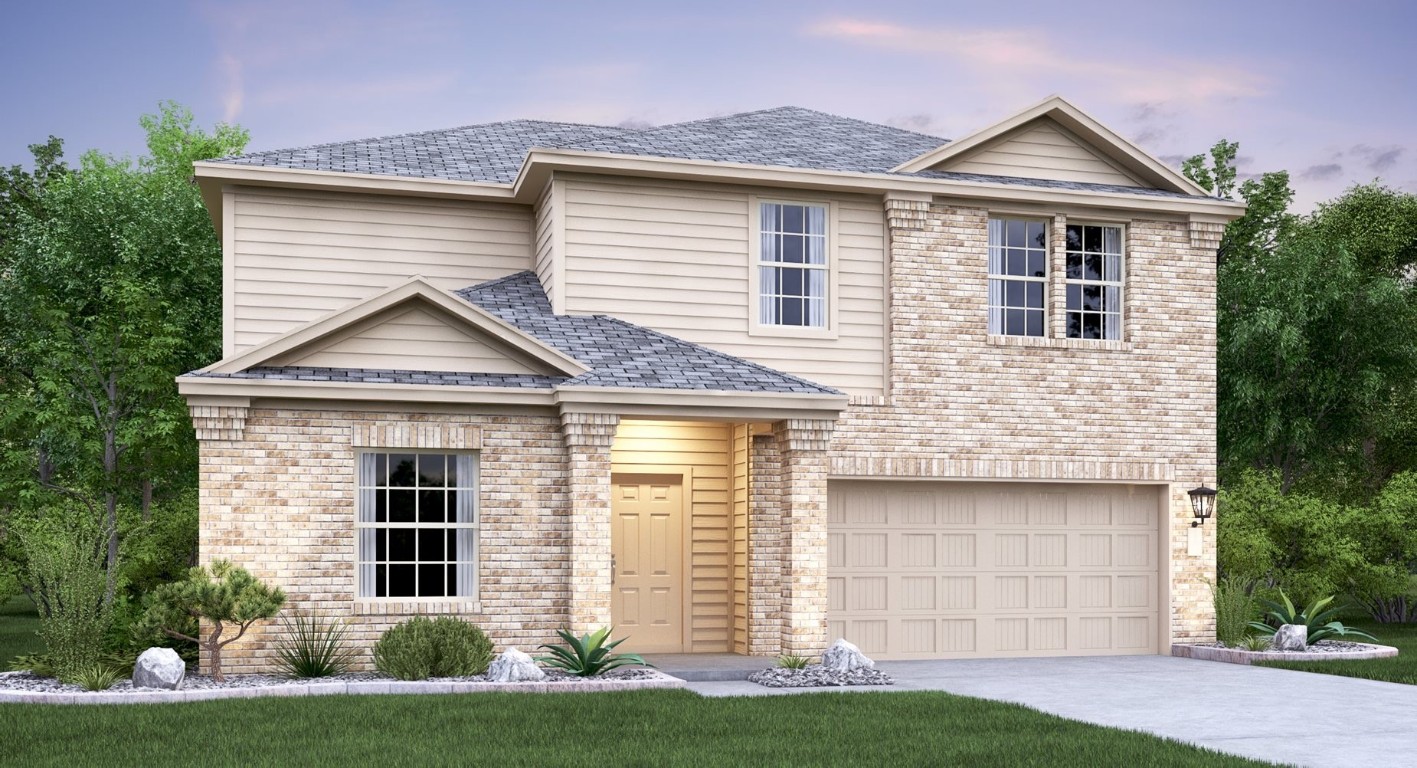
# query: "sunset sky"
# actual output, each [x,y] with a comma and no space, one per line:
[1324,90]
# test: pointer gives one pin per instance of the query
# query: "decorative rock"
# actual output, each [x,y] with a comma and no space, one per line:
[159,668]
[1291,637]
[513,666]
[817,676]
[845,657]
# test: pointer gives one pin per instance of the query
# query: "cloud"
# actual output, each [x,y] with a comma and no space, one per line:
[1378,159]
[233,93]
[1023,56]
[920,122]
[1322,172]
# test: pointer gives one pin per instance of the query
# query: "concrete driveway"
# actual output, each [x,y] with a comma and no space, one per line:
[1277,715]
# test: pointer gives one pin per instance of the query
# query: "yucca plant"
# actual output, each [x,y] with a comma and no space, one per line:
[313,647]
[589,655]
[1318,617]
[793,662]
[96,677]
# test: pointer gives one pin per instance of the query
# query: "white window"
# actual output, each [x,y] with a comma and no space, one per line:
[1018,277]
[417,524]
[1094,282]
[793,268]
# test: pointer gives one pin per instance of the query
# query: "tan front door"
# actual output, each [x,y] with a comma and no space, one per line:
[647,540]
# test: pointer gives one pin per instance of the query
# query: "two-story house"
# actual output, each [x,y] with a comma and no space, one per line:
[741,384]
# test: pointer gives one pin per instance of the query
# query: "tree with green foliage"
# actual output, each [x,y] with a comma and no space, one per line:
[1315,359]
[224,595]
[110,286]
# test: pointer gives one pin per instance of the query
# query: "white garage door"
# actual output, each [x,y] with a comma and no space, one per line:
[946,570]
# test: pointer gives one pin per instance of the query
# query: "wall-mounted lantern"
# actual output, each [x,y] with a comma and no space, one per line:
[1202,504]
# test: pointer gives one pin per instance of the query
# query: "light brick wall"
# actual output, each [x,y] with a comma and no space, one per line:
[963,405]
[279,501]
[802,487]
[589,437]
[765,548]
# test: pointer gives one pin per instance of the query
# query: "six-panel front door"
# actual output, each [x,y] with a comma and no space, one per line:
[647,543]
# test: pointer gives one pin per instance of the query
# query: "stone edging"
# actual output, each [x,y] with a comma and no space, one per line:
[355,688]
[1241,656]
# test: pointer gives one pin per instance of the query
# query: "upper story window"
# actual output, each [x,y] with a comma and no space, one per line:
[1018,277]
[1094,281]
[417,521]
[793,269]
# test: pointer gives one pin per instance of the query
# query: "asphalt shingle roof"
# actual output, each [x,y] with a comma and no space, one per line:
[619,354]
[787,137]
[626,355]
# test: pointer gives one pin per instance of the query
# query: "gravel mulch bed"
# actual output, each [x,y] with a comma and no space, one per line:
[1322,646]
[817,676]
[32,683]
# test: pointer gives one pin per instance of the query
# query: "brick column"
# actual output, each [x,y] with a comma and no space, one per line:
[764,548]
[803,482]
[588,438]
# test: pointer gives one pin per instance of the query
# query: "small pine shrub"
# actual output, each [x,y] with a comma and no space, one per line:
[313,647]
[421,648]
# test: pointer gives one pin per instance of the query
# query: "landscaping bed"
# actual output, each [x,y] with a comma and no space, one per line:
[28,688]
[1324,650]
[1401,668]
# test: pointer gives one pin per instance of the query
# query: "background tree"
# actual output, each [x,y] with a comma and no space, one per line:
[111,287]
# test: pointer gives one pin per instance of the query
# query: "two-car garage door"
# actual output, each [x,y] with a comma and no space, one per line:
[952,570]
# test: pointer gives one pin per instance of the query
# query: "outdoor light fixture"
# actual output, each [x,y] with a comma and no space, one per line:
[1202,504]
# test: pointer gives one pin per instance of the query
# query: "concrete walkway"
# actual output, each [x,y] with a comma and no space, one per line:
[1298,718]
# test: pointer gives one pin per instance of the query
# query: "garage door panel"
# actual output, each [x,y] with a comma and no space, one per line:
[1010,570]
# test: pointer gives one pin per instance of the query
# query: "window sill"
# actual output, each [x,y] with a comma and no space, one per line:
[792,331]
[394,606]
[1051,343]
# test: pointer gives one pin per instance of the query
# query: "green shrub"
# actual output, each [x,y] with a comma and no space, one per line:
[226,595]
[36,663]
[793,662]
[65,554]
[589,655]
[313,647]
[1320,619]
[1255,642]
[98,677]
[421,648]
[1235,607]
[1386,533]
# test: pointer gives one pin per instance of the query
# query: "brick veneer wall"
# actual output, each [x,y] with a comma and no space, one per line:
[278,499]
[963,405]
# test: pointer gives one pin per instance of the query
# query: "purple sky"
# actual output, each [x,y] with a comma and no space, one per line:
[1324,90]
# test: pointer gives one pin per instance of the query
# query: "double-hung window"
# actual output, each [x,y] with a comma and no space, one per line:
[1094,281]
[793,268]
[416,523]
[1018,277]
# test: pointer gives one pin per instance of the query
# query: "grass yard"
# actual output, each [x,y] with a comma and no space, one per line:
[18,624]
[649,728]
[1399,669]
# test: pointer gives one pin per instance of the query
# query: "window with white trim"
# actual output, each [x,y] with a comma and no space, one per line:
[1018,277]
[1094,282]
[793,269]
[417,524]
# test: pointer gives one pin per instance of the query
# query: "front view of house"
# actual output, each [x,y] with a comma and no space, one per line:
[744,384]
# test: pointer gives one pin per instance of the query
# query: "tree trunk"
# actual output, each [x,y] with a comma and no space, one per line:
[213,648]
[147,499]
[110,476]
[46,467]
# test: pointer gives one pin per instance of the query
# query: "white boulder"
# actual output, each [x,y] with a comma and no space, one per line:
[1291,637]
[845,657]
[513,666]
[159,668]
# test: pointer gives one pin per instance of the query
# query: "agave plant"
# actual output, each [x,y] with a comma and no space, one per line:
[1318,617]
[793,662]
[589,655]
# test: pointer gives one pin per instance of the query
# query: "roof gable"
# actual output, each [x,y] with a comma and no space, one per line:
[413,318]
[1082,150]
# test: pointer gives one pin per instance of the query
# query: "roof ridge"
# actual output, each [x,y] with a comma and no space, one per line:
[412,134]
[786,107]
[717,353]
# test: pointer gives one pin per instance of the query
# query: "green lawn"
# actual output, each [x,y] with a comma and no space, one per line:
[1402,668]
[649,728]
[18,623]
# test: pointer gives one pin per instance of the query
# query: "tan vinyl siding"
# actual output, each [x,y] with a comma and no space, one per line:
[675,257]
[1042,150]
[409,339]
[297,255]
[641,446]
[739,465]
[550,240]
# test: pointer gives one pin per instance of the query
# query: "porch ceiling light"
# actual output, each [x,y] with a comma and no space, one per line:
[1202,504]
